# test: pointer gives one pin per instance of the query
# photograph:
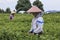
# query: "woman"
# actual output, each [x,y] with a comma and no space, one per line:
[37,21]
[12,14]
[37,24]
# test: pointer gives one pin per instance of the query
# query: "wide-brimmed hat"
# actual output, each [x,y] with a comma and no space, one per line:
[34,9]
[13,12]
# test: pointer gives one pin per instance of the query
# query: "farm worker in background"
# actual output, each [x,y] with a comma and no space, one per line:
[12,14]
[37,21]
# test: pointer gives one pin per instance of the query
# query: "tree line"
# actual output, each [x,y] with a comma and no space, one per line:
[24,5]
[5,11]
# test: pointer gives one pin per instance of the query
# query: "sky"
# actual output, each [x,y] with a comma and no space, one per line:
[48,4]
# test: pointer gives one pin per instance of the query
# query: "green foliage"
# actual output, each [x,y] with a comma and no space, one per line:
[23,5]
[38,4]
[17,29]
[1,11]
[8,10]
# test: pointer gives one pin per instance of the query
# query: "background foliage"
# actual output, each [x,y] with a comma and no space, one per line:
[38,4]
[23,5]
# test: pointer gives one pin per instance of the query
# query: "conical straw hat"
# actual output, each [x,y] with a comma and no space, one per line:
[34,9]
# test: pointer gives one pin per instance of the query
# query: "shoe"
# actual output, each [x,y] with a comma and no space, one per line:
[31,31]
[40,33]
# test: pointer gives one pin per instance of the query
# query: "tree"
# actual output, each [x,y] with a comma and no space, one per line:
[8,10]
[23,5]
[1,11]
[38,4]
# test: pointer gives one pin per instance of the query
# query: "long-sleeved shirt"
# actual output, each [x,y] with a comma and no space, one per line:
[37,24]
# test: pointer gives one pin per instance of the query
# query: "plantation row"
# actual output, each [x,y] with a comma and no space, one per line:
[17,29]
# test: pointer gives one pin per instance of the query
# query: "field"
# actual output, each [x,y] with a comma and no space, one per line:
[17,29]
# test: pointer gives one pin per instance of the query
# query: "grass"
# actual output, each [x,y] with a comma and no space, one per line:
[17,29]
